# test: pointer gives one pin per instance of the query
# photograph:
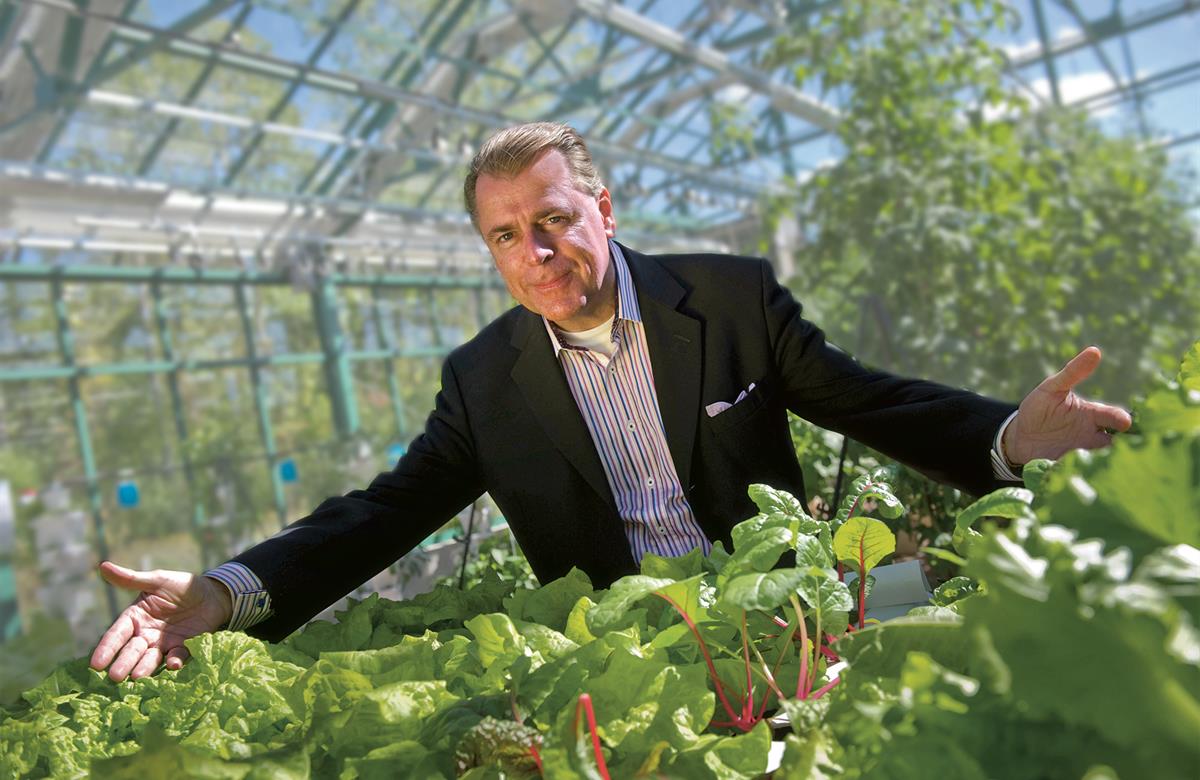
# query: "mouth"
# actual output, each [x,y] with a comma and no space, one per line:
[552,284]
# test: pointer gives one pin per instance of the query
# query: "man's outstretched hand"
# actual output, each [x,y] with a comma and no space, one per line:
[1053,420]
[173,606]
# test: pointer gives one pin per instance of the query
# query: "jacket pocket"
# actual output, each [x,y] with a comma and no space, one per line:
[743,410]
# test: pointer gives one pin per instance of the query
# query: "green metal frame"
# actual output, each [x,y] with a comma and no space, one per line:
[335,357]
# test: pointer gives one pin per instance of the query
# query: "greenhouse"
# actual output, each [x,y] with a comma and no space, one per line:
[600,389]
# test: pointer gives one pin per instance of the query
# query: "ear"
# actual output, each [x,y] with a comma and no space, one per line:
[604,202]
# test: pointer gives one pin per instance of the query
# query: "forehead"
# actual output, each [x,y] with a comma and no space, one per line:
[545,182]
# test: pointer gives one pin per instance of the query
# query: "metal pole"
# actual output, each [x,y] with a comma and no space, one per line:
[168,353]
[66,348]
[338,376]
[389,343]
[261,404]
[462,574]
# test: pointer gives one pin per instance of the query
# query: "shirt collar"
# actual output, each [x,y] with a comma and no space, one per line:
[627,304]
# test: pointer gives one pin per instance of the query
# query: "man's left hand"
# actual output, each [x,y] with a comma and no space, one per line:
[1053,419]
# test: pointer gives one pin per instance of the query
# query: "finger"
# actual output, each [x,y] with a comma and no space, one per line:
[130,655]
[1097,440]
[177,657]
[147,665]
[129,579]
[1112,417]
[1075,371]
[113,640]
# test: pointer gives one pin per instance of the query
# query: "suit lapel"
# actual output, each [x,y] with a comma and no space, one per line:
[540,379]
[674,340]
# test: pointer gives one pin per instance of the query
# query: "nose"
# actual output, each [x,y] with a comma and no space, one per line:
[538,248]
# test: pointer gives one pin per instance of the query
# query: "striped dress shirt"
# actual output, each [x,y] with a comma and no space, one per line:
[616,397]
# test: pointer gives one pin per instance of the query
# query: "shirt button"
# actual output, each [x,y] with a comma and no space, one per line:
[649,481]
[662,530]
[629,425]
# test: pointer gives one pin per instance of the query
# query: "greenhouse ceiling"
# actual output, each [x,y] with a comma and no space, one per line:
[161,132]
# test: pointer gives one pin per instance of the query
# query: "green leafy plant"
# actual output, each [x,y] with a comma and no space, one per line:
[676,670]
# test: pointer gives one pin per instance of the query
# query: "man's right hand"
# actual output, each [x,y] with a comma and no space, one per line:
[173,606]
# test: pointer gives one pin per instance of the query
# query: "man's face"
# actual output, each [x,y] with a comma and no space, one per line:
[550,242]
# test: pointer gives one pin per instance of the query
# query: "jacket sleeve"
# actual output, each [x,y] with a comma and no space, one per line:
[943,432]
[348,539]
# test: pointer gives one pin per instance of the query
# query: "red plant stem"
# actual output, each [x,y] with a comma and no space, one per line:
[748,699]
[803,648]
[537,757]
[712,670]
[816,656]
[533,751]
[774,687]
[824,689]
[770,674]
[585,704]
[862,584]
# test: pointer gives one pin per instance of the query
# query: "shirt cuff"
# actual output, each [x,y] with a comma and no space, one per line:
[1000,468]
[251,602]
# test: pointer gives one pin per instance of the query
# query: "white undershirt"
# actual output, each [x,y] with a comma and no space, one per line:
[597,339]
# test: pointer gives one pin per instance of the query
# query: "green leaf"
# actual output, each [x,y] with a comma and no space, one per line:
[1008,502]
[678,568]
[954,589]
[1047,597]
[741,757]
[870,486]
[760,552]
[1092,493]
[823,593]
[763,590]
[496,638]
[810,552]
[623,594]
[862,542]
[1034,473]
[881,650]
[1189,369]
[781,505]
[576,628]
[771,501]
[552,603]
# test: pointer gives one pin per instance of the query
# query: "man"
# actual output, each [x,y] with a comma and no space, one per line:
[622,408]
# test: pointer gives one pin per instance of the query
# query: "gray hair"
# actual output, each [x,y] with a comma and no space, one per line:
[514,149]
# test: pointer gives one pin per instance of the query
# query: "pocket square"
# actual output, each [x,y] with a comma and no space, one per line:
[717,407]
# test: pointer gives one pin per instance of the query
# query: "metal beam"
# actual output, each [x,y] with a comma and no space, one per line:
[160,141]
[1096,32]
[786,98]
[247,151]
[1039,18]
[100,72]
[165,275]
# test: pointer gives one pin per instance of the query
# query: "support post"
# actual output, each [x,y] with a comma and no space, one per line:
[261,403]
[338,377]
[389,343]
[66,349]
[167,348]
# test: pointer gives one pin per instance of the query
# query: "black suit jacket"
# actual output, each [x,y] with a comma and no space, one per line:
[505,422]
